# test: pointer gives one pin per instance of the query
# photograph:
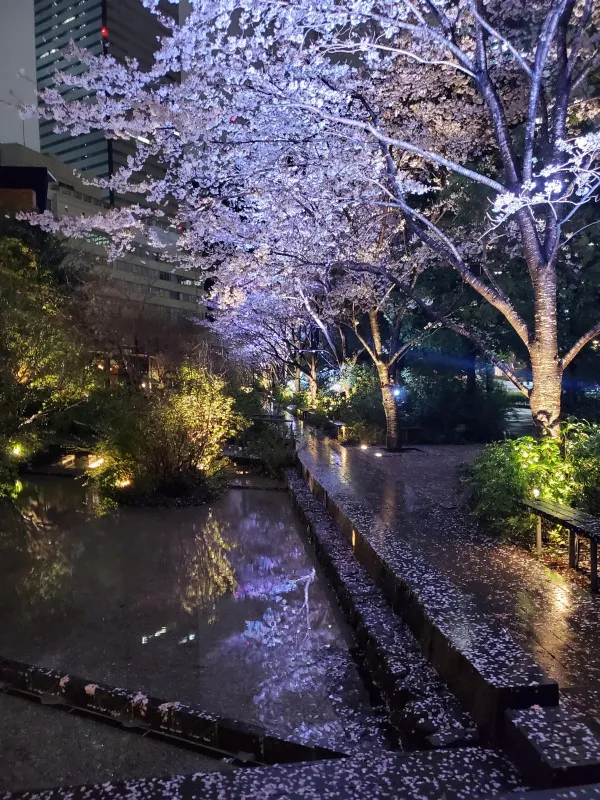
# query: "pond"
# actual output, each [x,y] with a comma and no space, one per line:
[218,606]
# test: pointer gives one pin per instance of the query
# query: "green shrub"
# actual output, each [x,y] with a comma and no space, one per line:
[565,470]
[167,443]
[363,433]
[249,401]
[299,399]
[448,411]
[275,450]
[586,470]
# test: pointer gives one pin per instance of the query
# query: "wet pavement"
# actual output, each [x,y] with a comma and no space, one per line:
[414,499]
[219,607]
[42,747]
[463,774]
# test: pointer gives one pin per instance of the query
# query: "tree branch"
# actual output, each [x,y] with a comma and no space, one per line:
[580,344]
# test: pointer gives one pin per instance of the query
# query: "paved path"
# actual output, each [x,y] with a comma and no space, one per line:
[416,496]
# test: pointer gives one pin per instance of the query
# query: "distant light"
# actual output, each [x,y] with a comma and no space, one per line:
[364,447]
[396,392]
[379,455]
[16,450]
[143,385]
[122,483]
[104,32]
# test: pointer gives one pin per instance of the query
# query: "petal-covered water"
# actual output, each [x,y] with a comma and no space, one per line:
[216,606]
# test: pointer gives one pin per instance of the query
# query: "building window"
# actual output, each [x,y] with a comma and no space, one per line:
[174,295]
[165,276]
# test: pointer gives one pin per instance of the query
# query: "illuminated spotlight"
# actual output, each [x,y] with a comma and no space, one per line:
[379,455]
[16,450]
[396,392]
[123,483]
[364,447]
[94,462]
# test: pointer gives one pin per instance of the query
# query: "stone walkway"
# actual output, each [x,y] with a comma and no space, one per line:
[415,497]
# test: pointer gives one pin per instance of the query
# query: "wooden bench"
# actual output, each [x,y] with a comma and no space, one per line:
[578,523]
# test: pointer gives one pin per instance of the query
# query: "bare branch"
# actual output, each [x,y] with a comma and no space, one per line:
[580,344]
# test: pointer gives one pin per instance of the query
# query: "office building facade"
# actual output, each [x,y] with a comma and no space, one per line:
[121,28]
[17,73]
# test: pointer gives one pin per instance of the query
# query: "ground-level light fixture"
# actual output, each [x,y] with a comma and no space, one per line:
[364,447]
[95,461]
[17,449]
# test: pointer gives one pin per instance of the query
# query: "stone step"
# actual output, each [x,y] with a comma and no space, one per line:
[420,705]
[553,747]
[481,663]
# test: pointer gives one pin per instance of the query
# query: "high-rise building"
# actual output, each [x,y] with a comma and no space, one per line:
[122,28]
[17,73]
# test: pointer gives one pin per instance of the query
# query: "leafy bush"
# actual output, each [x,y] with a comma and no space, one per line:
[276,450]
[248,401]
[363,432]
[166,443]
[565,470]
[300,399]
[586,469]
[448,411]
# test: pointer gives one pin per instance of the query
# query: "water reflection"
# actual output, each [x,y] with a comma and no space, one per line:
[219,607]
[206,572]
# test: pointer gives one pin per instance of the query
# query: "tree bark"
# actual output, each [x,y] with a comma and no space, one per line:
[297,379]
[545,398]
[390,406]
[312,381]
[546,364]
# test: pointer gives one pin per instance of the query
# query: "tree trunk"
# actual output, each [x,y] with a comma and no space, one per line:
[297,379]
[390,406]
[312,379]
[471,370]
[545,397]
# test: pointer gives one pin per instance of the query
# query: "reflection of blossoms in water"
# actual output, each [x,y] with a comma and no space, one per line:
[287,648]
[207,572]
[269,631]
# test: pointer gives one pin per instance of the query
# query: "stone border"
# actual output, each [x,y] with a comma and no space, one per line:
[480,662]
[421,708]
[247,743]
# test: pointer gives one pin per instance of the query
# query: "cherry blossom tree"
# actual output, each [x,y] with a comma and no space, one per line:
[291,120]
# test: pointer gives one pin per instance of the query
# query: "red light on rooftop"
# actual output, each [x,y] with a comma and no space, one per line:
[104,32]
